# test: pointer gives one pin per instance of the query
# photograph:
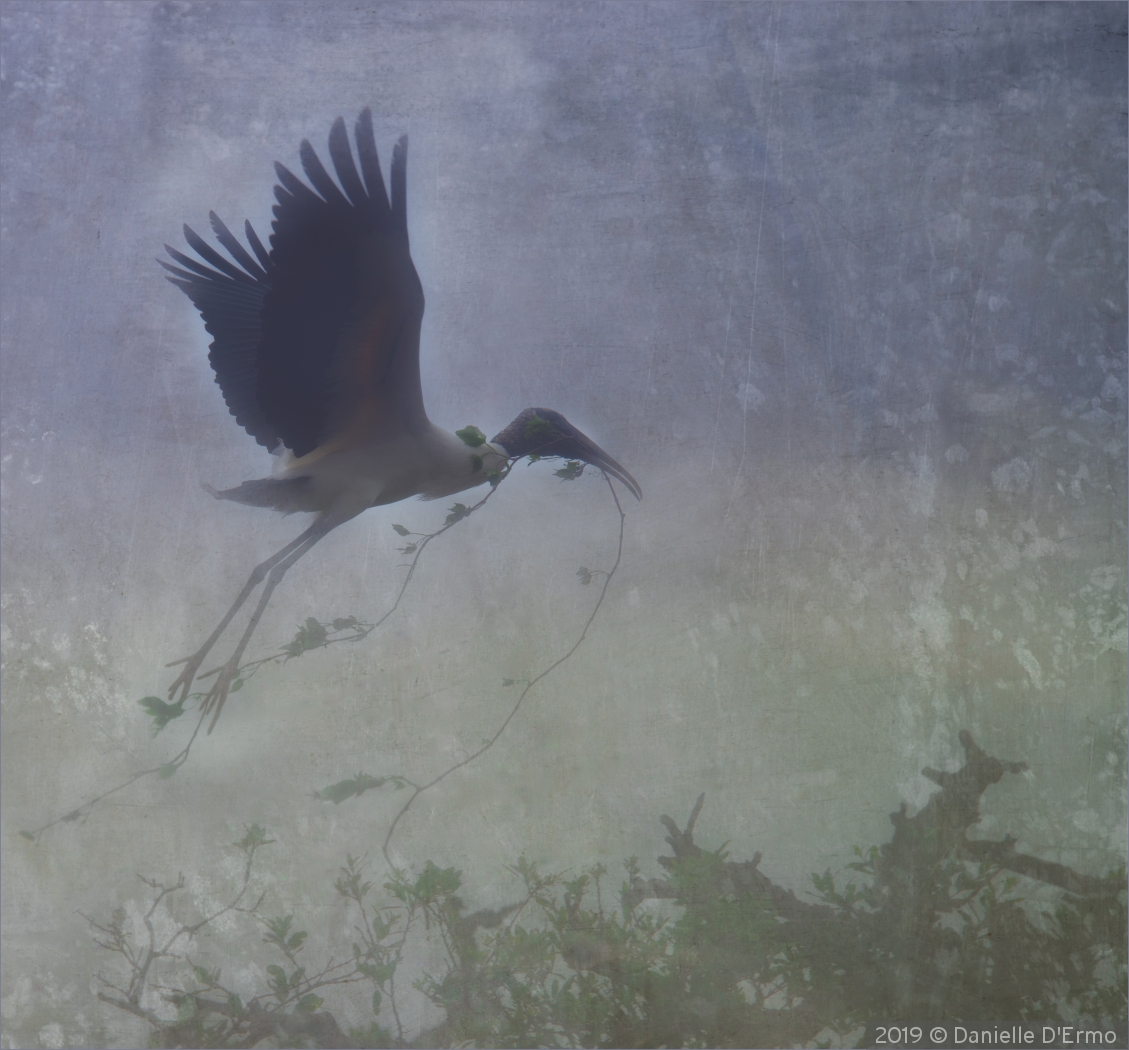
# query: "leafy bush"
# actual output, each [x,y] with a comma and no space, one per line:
[932,927]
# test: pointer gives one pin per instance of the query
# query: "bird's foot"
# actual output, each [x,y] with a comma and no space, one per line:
[187,676]
[227,681]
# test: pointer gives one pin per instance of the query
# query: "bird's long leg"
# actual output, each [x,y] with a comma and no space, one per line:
[192,663]
[227,673]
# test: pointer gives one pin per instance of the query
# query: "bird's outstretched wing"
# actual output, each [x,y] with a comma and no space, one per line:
[337,305]
[230,300]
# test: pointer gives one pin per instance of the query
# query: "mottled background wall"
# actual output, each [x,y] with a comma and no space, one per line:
[842,285]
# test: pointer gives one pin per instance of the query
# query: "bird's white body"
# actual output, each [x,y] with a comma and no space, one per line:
[371,473]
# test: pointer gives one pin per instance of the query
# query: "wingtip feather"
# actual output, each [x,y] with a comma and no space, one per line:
[400,183]
[370,161]
[256,245]
[342,156]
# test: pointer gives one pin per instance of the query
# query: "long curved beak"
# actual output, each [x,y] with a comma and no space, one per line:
[580,446]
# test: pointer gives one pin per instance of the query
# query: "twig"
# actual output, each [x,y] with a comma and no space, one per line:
[82,812]
[529,685]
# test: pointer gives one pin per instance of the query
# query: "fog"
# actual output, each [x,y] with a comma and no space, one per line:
[842,285]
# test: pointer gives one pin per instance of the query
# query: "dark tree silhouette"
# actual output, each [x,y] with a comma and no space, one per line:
[931,928]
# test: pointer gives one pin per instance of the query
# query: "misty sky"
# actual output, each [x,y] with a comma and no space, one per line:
[842,285]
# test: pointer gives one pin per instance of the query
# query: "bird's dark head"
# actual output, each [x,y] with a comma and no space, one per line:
[543,432]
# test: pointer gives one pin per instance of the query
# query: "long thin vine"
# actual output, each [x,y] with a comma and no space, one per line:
[314,635]
[419,789]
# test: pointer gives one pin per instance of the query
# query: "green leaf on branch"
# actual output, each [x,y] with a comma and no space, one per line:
[584,574]
[409,549]
[475,464]
[166,771]
[471,436]
[494,476]
[457,513]
[279,929]
[401,530]
[374,972]
[278,980]
[435,882]
[161,713]
[343,789]
[308,1003]
[350,885]
[311,635]
[185,1009]
[344,623]
[28,835]
[570,471]
[255,837]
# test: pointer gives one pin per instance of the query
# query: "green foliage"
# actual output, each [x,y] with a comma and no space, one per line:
[161,712]
[471,436]
[457,513]
[401,530]
[570,471]
[311,635]
[430,890]
[712,954]
[359,784]
[254,838]
[278,933]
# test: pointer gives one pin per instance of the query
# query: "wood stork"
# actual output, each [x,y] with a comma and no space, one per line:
[316,351]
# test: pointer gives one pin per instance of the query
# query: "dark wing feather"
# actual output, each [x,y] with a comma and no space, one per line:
[238,252]
[340,325]
[400,185]
[256,245]
[370,162]
[230,302]
[320,337]
[200,246]
[343,164]
[320,177]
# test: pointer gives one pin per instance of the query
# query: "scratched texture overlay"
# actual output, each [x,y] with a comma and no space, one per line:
[842,285]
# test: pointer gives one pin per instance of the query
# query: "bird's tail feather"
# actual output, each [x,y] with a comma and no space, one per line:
[287,495]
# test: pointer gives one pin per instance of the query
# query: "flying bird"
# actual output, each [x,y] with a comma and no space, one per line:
[316,352]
